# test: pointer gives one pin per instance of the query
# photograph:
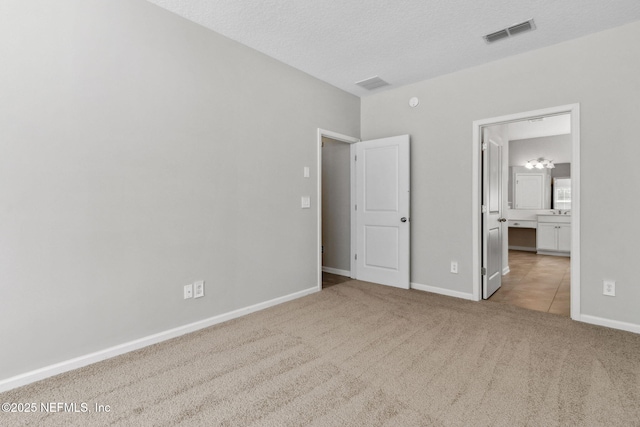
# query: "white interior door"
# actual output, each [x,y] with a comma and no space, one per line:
[492,218]
[382,211]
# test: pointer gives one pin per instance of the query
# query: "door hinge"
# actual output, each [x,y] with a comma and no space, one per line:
[356,207]
[483,271]
[484,209]
[484,146]
[356,257]
[356,158]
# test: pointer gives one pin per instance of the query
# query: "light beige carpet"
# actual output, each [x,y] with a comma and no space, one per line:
[359,354]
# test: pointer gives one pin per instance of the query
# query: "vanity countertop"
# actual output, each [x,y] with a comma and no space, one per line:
[554,218]
[520,223]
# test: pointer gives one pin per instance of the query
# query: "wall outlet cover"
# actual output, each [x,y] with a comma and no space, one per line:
[609,288]
[198,289]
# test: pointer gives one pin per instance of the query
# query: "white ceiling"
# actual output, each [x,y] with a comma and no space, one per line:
[403,41]
[544,126]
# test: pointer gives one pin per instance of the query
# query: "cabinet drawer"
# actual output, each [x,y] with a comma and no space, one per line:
[516,223]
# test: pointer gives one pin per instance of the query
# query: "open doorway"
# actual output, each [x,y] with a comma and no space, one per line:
[380,228]
[538,158]
[538,255]
[336,194]
[336,212]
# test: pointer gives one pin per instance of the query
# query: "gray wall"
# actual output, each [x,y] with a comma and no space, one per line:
[556,148]
[140,152]
[600,72]
[336,201]
[562,170]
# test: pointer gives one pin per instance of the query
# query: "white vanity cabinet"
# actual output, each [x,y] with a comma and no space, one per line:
[522,223]
[553,236]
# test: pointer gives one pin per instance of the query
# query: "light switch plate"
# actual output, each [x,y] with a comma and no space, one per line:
[306,202]
[306,171]
[188,291]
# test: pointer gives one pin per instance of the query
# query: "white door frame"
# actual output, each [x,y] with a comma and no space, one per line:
[349,140]
[574,110]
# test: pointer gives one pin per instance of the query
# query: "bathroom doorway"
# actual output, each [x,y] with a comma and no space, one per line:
[539,260]
[538,157]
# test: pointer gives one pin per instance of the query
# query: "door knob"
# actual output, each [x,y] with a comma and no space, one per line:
[502,219]
[403,219]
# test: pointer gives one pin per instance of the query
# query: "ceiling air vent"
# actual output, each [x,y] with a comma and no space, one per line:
[372,83]
[510,31]
[521,27]
[494,37]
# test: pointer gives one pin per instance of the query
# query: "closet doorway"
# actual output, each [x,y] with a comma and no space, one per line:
[336,212]
[336,194]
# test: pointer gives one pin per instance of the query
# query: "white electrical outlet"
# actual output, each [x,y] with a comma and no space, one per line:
[188,291]
[454,267]
[306,202]
[609,288]
[198,289]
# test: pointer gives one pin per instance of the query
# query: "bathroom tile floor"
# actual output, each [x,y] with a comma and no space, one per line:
[536,282]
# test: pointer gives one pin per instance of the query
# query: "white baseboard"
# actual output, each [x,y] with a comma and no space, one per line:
[553,253]
[506,270]
[337,271]
[615,324]
[442,291]
[78,362]
[522,248]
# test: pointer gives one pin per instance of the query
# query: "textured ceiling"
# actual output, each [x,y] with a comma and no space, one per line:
[401,41]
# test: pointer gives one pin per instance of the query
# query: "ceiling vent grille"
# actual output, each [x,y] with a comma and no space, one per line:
[510,31]
[372,83]
[498,35]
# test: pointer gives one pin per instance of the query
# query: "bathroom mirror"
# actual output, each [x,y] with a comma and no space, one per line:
[561,190]
[531,188]
[540,190]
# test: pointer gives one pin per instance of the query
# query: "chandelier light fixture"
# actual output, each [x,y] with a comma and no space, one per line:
[540,163]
